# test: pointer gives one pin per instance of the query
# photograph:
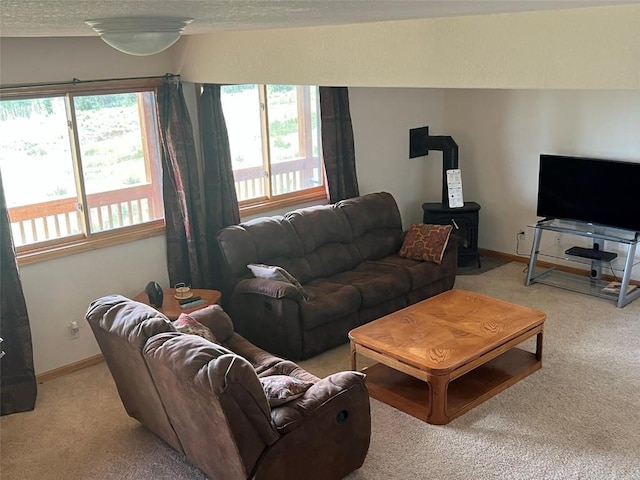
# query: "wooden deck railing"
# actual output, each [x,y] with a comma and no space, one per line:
[62,218]
[287,177]
[135,205]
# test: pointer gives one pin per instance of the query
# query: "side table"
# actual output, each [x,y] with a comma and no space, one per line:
[170,306]
[464,221]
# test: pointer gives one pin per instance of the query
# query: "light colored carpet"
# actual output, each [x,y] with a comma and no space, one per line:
[576,418]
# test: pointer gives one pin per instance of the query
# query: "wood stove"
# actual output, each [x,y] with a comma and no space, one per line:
[465,219]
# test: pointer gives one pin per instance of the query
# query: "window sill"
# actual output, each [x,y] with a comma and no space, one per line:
[316,195]
[96,242]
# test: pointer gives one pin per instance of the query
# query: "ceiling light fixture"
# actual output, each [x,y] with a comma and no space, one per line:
[140,35]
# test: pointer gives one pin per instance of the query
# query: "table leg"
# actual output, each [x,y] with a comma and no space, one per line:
[438,385]
[539,346]
[353,356]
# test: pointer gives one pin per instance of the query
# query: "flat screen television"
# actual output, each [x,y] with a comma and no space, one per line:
[598,191]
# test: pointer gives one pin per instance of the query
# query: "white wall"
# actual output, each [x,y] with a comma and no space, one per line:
[39,60]
[60,290]
[597,47]
[501,134]
[381,120]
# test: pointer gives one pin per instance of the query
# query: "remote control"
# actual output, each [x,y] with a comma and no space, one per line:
[195,303]
[188,300]
[454,185]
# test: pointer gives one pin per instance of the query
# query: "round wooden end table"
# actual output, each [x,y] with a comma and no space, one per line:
[170,306]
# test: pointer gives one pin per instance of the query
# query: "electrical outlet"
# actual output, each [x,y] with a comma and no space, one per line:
[74,329]
[522,234]
[558,239]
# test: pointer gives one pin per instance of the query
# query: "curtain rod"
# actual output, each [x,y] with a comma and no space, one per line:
[76,81]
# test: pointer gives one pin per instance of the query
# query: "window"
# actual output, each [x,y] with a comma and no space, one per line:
[80,169]
[274,138]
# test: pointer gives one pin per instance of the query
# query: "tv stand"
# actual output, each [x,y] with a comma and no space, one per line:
[619,265]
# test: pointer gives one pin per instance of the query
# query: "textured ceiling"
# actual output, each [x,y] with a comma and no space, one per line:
[61,18]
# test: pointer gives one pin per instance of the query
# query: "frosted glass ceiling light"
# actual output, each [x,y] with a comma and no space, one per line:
[140,35]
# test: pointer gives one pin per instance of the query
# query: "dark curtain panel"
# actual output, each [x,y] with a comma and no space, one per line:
[187,251]
[18,387]
[221,202]
[337,143]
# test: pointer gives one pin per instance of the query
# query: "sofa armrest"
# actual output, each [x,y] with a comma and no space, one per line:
[324,434]
[256,356]
[215,319]
[268,288]
[318,400]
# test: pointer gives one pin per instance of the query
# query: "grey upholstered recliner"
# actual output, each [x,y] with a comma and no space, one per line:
[206,400]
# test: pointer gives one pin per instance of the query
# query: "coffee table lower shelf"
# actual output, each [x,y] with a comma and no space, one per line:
[413,396]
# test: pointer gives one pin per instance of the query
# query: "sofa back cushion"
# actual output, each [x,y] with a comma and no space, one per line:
[273,237]
[326,238]
[268,240]
[122,327]
[376,224]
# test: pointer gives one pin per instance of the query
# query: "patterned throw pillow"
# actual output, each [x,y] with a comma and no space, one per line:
[280,389]
[273,272]
[189,325]
[426,242]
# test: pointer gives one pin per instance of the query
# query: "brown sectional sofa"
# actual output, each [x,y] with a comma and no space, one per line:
[345,255]
[206,399]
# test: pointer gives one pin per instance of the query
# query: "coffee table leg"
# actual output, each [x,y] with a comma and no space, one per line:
[539,346]
[353,356]
[438,385]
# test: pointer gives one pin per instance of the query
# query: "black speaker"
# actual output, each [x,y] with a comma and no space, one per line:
[154,292]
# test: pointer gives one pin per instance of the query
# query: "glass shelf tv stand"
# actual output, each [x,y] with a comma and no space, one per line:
[593,283]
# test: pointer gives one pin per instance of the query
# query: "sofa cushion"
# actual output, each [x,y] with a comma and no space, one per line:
[189,325]
[332,258]
[328,302]
[421,273]
[273,237]
[376,224]
[274,272]
[319,225]
[426,242]
[281,389]
[371,212]
[376,282]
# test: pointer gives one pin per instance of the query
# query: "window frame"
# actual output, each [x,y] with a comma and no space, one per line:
[269,202]
[87,241]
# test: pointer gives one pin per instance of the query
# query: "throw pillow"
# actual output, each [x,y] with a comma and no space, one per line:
[187,324]
[280,389]
[426,242]
[273,272]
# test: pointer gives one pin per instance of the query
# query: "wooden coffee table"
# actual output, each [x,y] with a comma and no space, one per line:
[170,306]
[443,356]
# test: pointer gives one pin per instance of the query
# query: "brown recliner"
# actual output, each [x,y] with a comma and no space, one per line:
[212,399]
